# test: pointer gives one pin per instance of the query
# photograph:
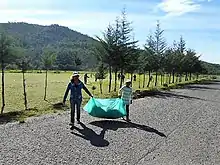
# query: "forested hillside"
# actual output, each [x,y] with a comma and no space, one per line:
[73,49]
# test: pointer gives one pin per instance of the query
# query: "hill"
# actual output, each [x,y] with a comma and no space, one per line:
[74,50]
[211,68]
[67,43]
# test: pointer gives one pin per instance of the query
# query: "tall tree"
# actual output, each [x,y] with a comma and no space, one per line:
[48,60]
[23,63]
[101,75]
[126,43]
[6,57]
[149,60]
[160,47]
[133,56]
[105,50]
[180,51]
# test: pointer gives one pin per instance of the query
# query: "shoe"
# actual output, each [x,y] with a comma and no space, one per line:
[72,128]
[128,120]
[71,124]
[78,122]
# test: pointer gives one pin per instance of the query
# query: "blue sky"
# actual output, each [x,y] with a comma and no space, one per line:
[196,20]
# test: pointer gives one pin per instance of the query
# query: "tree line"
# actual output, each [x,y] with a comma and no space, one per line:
[14,52]
[118,51]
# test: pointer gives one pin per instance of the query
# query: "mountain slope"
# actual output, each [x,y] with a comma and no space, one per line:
[58,38]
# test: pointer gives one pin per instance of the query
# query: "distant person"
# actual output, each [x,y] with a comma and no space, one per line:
[126,94]
[122,78]
[135,77]
[75,86]
[85,78]
[151,78]
[96,77]
[119,76]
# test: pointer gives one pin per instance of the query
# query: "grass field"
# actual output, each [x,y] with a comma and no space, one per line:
[57,83]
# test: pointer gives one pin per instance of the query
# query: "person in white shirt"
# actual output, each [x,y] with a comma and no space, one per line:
[125,92]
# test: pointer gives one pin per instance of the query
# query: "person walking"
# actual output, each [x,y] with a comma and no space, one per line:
[75,86]
[135,77]
[85,78]
[125,92]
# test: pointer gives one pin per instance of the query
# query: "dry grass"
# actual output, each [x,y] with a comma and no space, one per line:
[57,83]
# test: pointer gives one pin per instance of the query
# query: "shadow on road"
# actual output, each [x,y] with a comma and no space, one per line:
[114,125]
[88,134]
[173,95]
[200,87]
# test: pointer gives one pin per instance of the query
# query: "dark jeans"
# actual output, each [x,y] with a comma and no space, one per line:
[127,110]
[75,106]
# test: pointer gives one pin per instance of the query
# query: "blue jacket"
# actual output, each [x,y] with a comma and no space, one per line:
[76,91]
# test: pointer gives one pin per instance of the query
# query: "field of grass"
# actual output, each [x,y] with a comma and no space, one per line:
[57,83]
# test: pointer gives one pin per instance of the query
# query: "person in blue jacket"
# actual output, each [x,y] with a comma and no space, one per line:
[75,87]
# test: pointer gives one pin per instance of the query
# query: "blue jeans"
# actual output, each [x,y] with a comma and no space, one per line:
[75,106]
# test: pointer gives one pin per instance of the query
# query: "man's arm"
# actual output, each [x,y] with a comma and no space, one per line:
[66,93]
[120,91]
[131,96]
[87,91]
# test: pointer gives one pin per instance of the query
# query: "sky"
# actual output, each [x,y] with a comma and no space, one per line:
[195,20]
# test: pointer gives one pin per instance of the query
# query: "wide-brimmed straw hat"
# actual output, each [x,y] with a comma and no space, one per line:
[128,81]
[75,74]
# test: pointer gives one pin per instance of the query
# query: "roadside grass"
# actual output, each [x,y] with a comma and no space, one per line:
[57,82]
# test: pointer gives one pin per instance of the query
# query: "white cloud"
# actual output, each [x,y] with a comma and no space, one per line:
[180,7]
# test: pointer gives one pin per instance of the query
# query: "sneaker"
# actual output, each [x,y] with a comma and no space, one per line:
[128,120]
[71,124]
[78,121]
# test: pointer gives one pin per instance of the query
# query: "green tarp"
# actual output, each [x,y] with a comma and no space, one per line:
[105,108]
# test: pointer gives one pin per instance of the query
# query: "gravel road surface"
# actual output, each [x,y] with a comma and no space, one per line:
[173,128]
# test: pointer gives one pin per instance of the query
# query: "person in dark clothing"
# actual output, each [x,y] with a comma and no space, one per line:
[123,78]
[85,78]
[75,87]
[135,77]
[119,76]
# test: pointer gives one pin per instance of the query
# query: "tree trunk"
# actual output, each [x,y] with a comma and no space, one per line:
[110,79]
[148,84]
[161,79]
[115,89]
[45,87]
[190,76]
[156,79]
[186,78]
[121,81]
[131,79]
[3,88]
[139,81]
[197,76]
[144,80]
[170,75]
[173,72]
[180,80]
[24,88]
[100,84]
